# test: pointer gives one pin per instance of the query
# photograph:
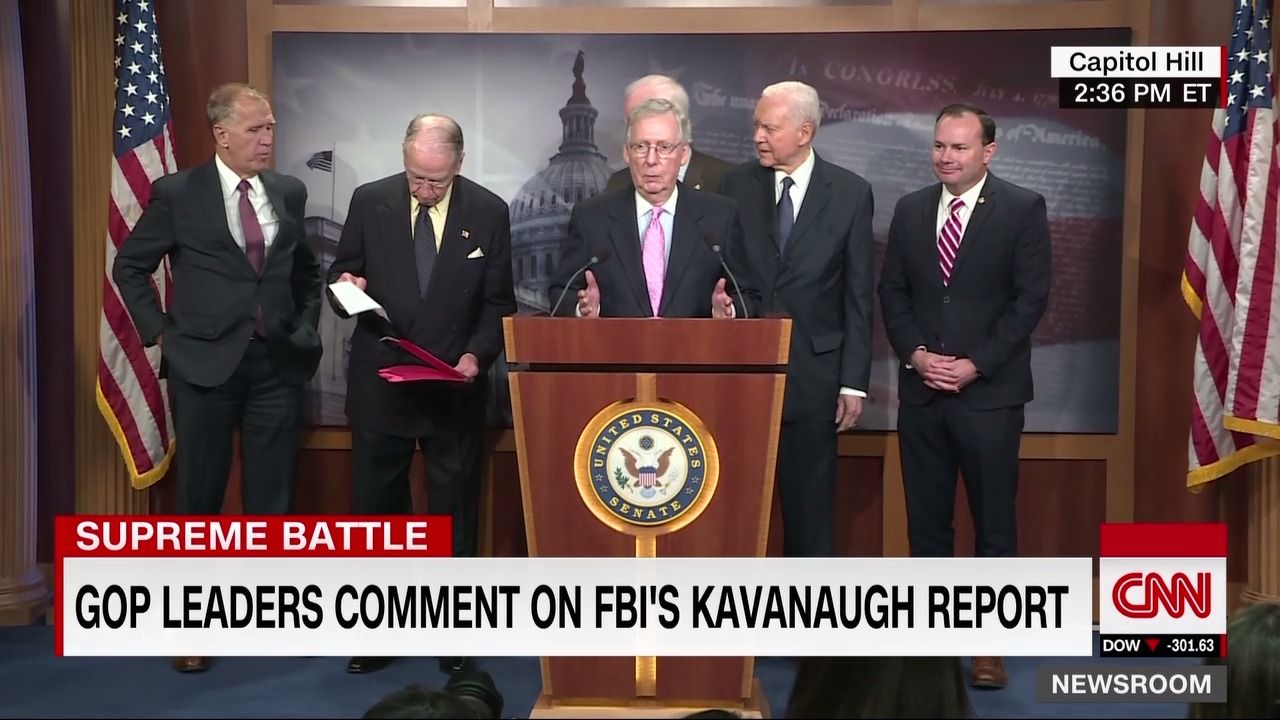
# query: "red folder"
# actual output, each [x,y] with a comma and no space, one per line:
[435,368]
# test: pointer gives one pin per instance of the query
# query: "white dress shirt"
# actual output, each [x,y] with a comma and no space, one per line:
[801,178]
[257,197]
[970,198]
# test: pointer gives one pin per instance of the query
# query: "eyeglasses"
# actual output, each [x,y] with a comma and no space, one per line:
[418,181]
[664,150]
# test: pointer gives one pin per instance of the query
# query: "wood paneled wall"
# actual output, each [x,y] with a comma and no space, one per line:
[204,46]
[1066,492]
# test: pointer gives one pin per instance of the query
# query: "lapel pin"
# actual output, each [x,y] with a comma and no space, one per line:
[466,234]
[698,186]
[981,199]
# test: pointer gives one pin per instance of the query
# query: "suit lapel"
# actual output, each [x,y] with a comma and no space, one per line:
[215,207]
[396,239]
[696,175]
[977,218]
[815,200]
[624,233]
[929,232]
[284,223]
[453,248]
[684,241]
[768,203]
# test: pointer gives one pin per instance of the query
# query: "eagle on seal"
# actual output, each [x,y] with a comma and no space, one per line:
[647,476]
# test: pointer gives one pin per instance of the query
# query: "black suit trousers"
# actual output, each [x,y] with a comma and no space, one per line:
[205,420]
[453,462]
[806,480]
[943,438]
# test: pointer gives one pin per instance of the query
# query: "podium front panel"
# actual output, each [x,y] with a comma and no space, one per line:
[737,416]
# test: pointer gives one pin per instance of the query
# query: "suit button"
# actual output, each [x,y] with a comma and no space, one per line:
[946,299]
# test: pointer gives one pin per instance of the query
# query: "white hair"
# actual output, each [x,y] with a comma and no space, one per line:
[439,129]
[654,107]
[801,99]
[663,87]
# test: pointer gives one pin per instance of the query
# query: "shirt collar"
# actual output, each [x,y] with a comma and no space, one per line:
[970,196]
[444,201]
[802,174]
[231,181]
[643,206]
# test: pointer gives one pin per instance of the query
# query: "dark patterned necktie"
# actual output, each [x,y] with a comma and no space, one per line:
[786,213]
[424,248]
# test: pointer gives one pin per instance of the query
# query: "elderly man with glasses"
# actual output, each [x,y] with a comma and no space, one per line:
[699,171]
[658,246]
[434,249]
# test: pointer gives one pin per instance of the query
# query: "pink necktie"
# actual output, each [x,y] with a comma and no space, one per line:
[949,241]
[654,249]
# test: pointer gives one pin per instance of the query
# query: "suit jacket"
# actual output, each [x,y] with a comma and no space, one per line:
[998,292]
[693,269]
[216,293]
[471,289]
[704,173]
[823,281]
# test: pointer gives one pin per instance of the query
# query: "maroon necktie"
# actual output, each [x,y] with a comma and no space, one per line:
[949,241]
[255,245]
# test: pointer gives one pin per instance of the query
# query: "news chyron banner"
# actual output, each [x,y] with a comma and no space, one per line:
[1163,590]
[1127,77]
[375,586]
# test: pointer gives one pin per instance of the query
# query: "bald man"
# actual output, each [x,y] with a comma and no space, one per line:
[434,249]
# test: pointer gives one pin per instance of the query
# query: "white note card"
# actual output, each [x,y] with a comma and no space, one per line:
[354,300]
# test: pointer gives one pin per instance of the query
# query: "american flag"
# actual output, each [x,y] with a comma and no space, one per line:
[1229,280]
[132,397]
[322,161]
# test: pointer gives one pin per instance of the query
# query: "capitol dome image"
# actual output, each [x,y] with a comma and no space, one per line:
[540,210]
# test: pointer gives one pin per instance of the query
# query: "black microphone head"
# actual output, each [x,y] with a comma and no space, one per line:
[602,253]
[712,242]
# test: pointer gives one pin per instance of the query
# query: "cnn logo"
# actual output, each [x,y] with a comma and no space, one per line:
[1162,578]
[1141,596]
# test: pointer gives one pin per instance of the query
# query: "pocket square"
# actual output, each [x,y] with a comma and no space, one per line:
[477,253]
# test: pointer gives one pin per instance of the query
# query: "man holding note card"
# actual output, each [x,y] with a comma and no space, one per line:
[424,263]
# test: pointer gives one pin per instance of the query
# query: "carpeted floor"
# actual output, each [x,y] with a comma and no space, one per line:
[34,683]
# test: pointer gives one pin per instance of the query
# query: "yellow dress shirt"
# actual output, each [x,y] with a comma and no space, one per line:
[438,214]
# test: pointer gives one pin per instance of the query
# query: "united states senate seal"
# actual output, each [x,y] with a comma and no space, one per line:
[646,465]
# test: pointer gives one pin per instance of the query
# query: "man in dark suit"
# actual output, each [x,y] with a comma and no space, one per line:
[657,242]
[434,249]
[240,338]
[699,171]
[965,282]
[809,241]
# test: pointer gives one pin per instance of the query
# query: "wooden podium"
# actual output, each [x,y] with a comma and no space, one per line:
[647,437]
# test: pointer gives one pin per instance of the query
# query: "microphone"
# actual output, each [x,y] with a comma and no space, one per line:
[715,248]
[602,253]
